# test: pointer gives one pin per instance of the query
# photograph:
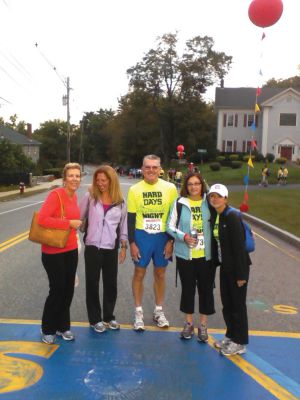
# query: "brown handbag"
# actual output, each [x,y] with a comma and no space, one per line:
[48,236]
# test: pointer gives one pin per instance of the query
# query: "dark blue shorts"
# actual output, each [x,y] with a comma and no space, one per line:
[151,246]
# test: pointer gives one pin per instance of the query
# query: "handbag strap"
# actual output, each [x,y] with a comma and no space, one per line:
[61,205]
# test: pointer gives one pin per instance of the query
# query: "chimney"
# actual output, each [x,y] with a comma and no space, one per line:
[29,131]
[222,83]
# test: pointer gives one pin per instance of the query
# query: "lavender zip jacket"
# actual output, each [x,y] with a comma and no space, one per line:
[102,227]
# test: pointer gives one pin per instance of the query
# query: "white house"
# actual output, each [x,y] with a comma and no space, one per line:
[276,128]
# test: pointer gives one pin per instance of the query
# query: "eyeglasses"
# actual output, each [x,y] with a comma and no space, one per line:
[194,184]
[148,168]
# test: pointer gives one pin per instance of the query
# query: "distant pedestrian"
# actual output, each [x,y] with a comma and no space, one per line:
[280,176]
[285,175]
[228,251]
[265,173]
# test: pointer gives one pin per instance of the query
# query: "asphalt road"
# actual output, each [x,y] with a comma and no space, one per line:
[273,296]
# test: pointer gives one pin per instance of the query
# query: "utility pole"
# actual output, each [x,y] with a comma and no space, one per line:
[66,102]
[81,150]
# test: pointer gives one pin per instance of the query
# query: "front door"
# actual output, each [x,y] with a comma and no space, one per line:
[286,152]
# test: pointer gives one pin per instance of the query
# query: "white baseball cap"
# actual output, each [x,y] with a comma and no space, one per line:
[220,189]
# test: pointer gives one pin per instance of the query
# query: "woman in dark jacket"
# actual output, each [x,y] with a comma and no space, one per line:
[228,251]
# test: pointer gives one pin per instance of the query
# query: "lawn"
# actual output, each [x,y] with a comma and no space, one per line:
[278,207]
[228,175]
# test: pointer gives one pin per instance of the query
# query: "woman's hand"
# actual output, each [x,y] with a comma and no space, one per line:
[191,242]
[135,252]
[122,255]
[75,223]
[168,251]
[241,283]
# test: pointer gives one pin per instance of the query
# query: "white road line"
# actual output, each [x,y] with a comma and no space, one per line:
[20,208]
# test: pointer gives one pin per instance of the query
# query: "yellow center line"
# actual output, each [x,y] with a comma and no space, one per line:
[13,241]
[277,247]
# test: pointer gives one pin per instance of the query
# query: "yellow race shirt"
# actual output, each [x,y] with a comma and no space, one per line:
[197,223]
[216,236]
[151,204]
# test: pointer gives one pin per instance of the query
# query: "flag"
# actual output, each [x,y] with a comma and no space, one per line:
[250,163]
[258,91]
[253,144]
[253,127]
[257,109]
[246,180]
[246,197]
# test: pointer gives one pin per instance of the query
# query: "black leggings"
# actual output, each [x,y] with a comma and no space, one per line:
[201,274]
[95,261]
[61,271]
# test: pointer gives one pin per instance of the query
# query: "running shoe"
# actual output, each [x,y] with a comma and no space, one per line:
[160,319]
[99,327]
[219,344]
[232,349]
[138,324]
[187,331]
[113,324]
[202,334]
[48,339]
[67,335]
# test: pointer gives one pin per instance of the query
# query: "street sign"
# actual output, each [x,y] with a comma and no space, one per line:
[202,151]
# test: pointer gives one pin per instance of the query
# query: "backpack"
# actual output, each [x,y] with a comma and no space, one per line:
[249,238]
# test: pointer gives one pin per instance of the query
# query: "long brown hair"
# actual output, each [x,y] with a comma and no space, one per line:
[184,191]
[114,184]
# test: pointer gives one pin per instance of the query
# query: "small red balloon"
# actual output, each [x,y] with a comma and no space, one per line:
[180,147]
[244,207]
[265,13]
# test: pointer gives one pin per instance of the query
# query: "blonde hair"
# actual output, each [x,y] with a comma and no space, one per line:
[70,166]
[114,184]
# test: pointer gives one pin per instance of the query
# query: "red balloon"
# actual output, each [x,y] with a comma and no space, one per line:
[265,13]
[180,147]
[244,207]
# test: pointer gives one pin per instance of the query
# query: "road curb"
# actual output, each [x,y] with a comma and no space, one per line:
[287,236]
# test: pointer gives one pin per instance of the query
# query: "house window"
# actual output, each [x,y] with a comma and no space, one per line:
[287,119]
[230,120]
[250,119]
[228,146]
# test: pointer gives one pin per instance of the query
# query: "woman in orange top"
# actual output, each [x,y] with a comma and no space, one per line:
[61,264]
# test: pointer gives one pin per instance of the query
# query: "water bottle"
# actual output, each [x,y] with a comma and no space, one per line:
[194,235]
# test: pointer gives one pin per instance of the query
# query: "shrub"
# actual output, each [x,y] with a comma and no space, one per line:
[215,166]
[233,157]
[220,158]
[246,157]
[270,157]
[236,164]
[259,157]
[57,172]
[280,160]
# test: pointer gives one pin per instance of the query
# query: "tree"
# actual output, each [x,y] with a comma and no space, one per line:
[13,159]
[174,80]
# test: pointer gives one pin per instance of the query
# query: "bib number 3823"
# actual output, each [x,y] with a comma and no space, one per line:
[152,225]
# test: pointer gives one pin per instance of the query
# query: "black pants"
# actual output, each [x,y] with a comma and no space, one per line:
[234,307]
[201,274]
[61,271]
[95,261]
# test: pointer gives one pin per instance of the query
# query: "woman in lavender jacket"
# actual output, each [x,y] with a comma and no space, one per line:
[105,212]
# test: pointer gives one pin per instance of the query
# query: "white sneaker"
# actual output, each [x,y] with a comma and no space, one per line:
[219,344]
[138,324]
[99,327]
[232,349]
[67,335]
[160,319]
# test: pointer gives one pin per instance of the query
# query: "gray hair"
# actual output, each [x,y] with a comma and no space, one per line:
[151,157]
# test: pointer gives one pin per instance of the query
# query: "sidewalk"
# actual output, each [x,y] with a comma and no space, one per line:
[41,187]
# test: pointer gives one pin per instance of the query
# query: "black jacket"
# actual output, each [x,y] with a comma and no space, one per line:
[235,258]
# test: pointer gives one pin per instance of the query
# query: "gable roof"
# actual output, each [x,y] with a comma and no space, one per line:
[16,138]
[244,97]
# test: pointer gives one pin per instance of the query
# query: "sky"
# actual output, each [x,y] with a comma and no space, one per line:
[94,42]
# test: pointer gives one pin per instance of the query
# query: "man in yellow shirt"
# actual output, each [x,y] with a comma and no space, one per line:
[148,205]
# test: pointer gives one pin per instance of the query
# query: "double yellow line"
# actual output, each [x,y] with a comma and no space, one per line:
[14,240]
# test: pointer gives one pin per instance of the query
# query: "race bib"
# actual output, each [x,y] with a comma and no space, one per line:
[152,225]
[200,243]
